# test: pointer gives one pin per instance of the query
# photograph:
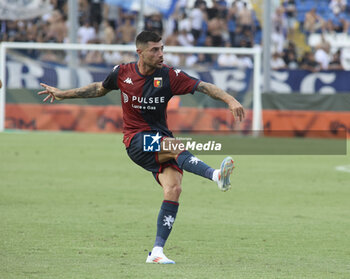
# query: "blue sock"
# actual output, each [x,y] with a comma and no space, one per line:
[166,219]
[190,163]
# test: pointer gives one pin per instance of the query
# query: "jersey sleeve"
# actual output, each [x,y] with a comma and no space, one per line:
[182,83]
[111,81]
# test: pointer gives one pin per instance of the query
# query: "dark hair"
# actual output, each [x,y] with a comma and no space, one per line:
[147,36]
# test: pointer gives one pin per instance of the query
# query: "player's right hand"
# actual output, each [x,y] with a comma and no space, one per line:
[52,93]
[237,110]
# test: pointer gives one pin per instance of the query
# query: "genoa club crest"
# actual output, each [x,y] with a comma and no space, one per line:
[158,82]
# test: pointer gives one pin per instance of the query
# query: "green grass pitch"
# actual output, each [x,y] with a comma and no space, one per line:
[75,206]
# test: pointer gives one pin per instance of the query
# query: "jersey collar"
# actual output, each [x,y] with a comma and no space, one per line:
[138,71]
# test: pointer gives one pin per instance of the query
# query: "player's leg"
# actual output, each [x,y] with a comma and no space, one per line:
[170,180]
[187,161]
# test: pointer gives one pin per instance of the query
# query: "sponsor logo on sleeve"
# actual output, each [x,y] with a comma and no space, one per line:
[177,71]
[128,81]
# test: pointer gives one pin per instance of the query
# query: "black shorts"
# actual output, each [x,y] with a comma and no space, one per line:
[148,160]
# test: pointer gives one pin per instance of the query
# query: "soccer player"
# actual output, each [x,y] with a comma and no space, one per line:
[146,86]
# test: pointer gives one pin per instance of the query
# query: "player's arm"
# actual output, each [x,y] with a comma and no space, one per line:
[92,90]
[219,94]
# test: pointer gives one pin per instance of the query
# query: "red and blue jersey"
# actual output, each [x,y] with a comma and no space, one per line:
[144,98]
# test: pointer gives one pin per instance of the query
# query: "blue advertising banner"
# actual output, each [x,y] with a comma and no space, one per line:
[301,81]
[28,73]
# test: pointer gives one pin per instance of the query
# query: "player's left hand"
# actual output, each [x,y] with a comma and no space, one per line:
[51,92]
[237,109]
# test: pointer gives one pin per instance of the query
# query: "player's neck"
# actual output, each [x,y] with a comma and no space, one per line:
[145,69]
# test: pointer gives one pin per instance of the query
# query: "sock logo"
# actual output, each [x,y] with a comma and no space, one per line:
[194,160]
[168,221]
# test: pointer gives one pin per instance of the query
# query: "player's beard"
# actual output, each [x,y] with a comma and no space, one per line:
[154,66]
[158,64]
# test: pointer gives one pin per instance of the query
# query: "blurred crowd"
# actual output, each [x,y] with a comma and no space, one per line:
[309,17]
[216,23]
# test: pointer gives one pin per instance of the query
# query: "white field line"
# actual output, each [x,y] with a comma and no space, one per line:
[343,168]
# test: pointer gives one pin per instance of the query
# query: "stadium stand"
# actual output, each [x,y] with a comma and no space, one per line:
[231,23]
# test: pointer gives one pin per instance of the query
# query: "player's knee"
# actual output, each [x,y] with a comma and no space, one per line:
[178,190]
[173,189]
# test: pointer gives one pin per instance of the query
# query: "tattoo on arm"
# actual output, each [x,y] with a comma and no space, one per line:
[213,91]
[92,90]
[217,93]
